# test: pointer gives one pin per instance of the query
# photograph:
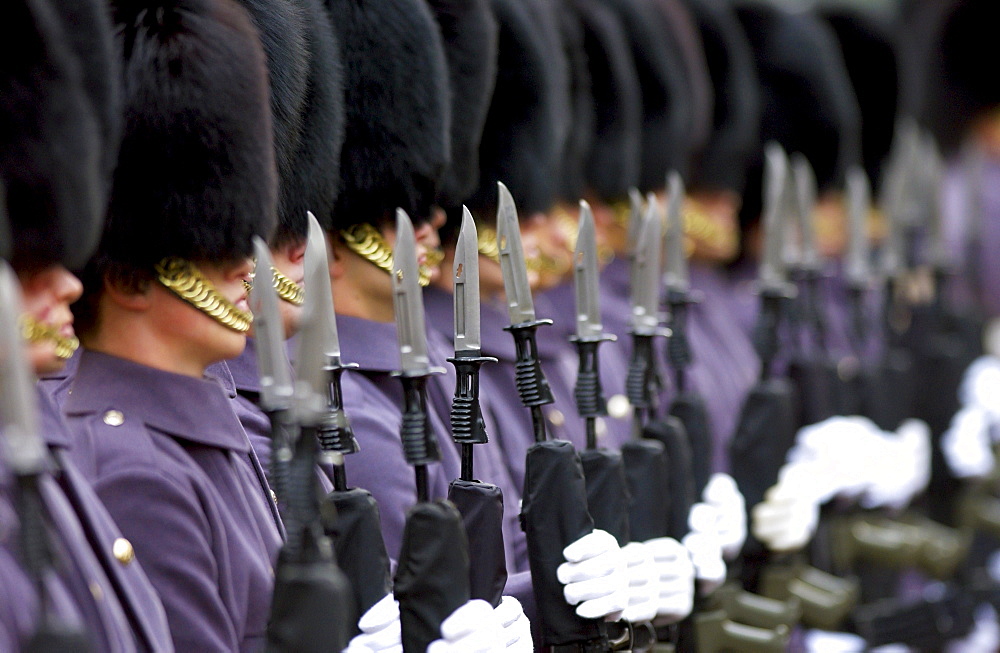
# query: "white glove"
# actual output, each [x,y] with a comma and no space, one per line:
[380,629]
[676,575]
[981,385]
[787,518]
[472,628]
[514,625]
[838,451]
[902,463]
[967,443]
[594,576]
[643,583]
[722,494]
[705,547]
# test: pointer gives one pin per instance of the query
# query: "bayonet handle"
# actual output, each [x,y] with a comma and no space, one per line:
[283,431]
[531,384]
[419,443]
[335,432]
[587,392]
[467,425]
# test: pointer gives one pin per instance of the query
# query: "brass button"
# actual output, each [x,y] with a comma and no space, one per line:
[556,417]
[123,551]
[114,418]
[95,590]
[619,406]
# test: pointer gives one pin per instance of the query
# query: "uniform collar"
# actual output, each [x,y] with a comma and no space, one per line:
[192,409]
[244,369]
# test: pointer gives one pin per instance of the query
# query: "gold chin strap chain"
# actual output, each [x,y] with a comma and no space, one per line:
[287,289]
[34,331]
[367,242]
[185,280]
[487,244]
[699,227]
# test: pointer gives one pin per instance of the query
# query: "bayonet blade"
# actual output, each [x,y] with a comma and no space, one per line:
[465,274]
[940,258]
[857,272]
[25,451]
[407,300]
[588,311]
[771,275]
[635,219]
[319,345]
[805,194]
[645,292]
[676,277]
[269,335]
[520,305]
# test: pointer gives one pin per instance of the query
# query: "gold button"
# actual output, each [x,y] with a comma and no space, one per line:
[556,417]
[114,418]
[96,591]
[619,406]
[123,551]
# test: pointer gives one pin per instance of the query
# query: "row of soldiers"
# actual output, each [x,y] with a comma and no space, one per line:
[360,371]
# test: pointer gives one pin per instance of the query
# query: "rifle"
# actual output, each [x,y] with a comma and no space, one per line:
[432,579]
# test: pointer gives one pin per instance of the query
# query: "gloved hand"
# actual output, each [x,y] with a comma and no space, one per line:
[787,517]
[380,629]
[981,385]
[676,575]
[903,466]
[722,494]
[967,444]
[514,625]
[643,583]
[472,628]
[594,576]
[705,547]
[837,453]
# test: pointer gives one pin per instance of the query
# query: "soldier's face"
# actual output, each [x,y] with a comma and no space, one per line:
[47,294]
[290,261]
[191,334]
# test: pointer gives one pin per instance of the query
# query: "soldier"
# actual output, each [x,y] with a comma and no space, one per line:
[164,298]
[52,123]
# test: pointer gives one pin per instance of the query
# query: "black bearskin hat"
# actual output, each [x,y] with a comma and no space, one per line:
[572,177]
[196,176]
[722,162]
[50,138]
[612,164]
[397,125]
[522,141]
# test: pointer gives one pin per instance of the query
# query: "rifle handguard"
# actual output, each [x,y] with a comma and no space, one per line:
[531,384]
[467,426]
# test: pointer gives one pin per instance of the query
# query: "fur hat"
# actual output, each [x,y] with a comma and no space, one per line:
[522,141]
[196,176]
[396,132]
[722,162]
[50,139]
[282,26]
[666,108]
[870,55]
[808,103]
[469,35]
[612,163]
[581,116]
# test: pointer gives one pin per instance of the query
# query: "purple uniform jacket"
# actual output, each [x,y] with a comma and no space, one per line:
[174,468]
[725,365]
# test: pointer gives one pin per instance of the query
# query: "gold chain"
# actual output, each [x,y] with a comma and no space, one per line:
[365,240]
[187,282]
[487,244]
[287,289]
[34,331]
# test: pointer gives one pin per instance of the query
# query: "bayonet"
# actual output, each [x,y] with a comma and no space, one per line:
[858,269]
[419,442]
[589,331]
[805,194]
[676,277]
[25,450]
[467,424]
[634,234]
[320,362]
[771,275]
[531,384]
[520,305]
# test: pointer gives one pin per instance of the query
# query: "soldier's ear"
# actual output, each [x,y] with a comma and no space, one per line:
[129,295]
[335,257]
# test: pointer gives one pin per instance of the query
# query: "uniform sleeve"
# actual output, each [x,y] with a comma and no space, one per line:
[172,532]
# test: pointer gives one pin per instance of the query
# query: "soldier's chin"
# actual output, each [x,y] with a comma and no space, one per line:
[43,358]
